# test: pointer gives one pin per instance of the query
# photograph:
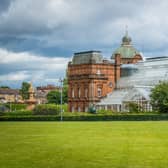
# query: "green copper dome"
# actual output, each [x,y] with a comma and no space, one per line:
[126,50]
[126,40]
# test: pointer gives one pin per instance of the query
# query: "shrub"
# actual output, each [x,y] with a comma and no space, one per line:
[46,109]
[133,107]
[19,113]
[105,112]
[64,107]
[159,97]
[135,117]
[3,109]
[92,110]
[16,107]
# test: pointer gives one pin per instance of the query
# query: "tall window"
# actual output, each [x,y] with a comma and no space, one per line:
[73,93]
[98,72]
[79,92]
[111,84]
[86,109]
[99,92]
[86,92]
[72,109]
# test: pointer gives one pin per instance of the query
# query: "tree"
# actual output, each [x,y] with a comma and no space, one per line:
[55,95]
[65,90]
[133,107]
[5,87]
[159,97]
[24,91]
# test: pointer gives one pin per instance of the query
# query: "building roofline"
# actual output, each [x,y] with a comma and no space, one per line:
[154,58]
[9,91]
[87,52]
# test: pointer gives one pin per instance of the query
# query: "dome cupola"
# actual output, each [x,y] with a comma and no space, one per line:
[126,50]
[126,40]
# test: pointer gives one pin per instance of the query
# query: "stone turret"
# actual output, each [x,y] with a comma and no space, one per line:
[31,93]
[31,101]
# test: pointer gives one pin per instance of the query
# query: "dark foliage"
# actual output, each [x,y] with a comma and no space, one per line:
[46,109]
[159,97]
[24,90]
[151,117]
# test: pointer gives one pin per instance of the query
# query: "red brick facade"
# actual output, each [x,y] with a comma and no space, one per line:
[133,60]
[90,77]
[90,82]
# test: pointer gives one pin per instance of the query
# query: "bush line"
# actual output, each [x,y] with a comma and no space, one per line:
[158,117]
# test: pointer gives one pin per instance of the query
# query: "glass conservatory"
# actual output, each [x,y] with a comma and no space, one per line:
[135,85]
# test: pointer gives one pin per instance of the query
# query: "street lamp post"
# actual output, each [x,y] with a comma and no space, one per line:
[61,82]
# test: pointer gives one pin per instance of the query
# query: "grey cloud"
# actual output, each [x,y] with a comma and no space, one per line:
[4,5]
[19,66]
[67,26]
[84,24]
[28,17]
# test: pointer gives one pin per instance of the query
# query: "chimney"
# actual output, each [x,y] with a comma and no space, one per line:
[117,68]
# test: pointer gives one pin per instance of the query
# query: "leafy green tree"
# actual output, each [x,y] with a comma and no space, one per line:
[5,87]
[55,96]
[24,91]
[133,107]
[65,90]
[159,97]
[65,94]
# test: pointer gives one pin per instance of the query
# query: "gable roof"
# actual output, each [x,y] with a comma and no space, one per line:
[9,91]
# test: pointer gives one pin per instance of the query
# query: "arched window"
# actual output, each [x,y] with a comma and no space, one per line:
[110,84]
[99,92]
[79,109]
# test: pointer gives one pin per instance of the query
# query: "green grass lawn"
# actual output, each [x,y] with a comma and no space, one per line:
[84,144]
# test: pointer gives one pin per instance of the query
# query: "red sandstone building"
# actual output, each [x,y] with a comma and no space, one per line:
[42,91]
[91,78]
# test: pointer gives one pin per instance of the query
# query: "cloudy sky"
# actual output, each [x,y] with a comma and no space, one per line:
[39,37]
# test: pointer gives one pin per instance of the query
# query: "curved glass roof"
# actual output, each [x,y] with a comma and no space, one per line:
[148,73]
[137,85]
[125,95]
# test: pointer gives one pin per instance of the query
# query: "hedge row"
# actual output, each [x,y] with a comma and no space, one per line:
[18,113]
[15,107]
[46,109]
[87,118]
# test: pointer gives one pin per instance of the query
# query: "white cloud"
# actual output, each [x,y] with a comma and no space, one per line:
[76,25]
[89,23]
[15,76]
[25,66]
[8,57]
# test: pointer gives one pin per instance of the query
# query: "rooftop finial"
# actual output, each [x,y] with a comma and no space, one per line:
[126,40]
[126,30]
